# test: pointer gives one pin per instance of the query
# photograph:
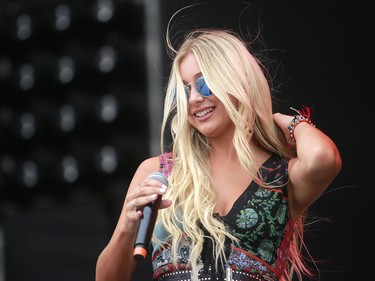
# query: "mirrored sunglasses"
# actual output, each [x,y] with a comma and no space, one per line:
[200,86]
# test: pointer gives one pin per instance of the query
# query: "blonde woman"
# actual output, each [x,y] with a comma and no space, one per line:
[240,176]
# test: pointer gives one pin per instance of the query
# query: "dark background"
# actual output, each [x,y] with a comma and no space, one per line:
[319,53]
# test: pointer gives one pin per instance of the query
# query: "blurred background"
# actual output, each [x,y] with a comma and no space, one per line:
[81,89]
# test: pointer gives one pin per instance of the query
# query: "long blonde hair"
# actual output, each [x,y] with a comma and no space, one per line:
[229,70]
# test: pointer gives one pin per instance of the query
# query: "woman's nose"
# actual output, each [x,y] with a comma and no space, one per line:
[194,97]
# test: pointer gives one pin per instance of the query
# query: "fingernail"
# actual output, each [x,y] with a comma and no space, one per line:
[154,196]
[163,188]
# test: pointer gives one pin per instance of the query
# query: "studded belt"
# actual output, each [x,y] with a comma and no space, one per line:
[233,275]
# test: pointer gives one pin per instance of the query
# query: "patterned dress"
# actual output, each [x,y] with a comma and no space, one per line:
[259,219]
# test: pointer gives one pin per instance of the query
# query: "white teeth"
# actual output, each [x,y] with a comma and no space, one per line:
[204,112]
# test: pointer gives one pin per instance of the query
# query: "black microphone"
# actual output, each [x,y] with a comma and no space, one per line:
[147,223]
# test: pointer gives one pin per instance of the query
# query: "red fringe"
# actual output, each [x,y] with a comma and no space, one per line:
[305,111]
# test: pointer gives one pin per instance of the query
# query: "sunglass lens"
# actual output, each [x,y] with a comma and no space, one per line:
[202,87]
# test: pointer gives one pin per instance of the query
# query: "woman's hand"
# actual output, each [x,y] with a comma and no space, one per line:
[143,194]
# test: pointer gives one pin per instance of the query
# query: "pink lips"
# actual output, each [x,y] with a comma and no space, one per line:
[204,114]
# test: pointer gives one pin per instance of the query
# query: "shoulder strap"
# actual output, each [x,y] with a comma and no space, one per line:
[166,163]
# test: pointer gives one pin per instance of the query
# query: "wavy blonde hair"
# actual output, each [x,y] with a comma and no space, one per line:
[230,71]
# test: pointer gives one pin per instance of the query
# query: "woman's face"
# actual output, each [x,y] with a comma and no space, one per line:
[206,114]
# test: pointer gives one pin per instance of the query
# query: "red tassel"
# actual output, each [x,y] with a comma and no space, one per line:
[305,111]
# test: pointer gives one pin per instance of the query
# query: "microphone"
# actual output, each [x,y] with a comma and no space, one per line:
[147,223]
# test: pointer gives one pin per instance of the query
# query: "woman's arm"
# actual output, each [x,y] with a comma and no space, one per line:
[317,163]
[116,261]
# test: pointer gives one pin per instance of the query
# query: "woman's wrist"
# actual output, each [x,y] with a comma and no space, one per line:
[302,116]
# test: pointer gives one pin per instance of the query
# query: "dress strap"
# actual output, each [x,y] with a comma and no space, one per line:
[166,163]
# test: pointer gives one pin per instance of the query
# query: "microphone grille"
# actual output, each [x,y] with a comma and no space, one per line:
[159,177]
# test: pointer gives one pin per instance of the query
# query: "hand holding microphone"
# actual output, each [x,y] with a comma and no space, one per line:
[147,223]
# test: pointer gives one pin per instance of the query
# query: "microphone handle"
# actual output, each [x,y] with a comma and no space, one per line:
[145,230]
[147,223]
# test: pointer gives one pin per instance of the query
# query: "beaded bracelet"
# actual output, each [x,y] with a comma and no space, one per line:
[303,116]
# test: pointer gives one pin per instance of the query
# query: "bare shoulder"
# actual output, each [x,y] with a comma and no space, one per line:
[150,164]
[144,169]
